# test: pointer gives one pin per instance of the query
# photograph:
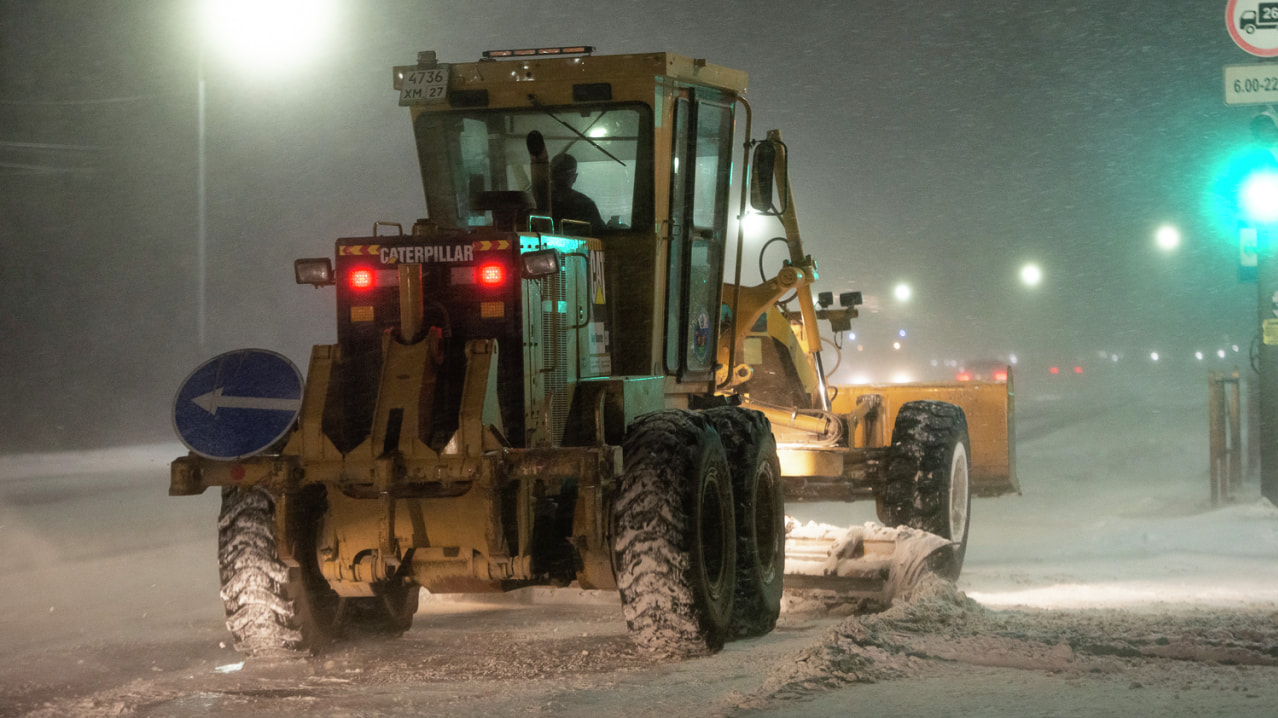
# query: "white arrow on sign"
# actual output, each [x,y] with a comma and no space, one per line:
[214,400]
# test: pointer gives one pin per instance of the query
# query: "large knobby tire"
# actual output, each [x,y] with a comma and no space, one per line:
[255,582]
[675,535]
[927,484]
[273,609]
[760,517]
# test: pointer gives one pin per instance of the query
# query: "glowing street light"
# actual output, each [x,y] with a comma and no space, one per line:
[1031,275]
[902,292]
[262,35]
[266,35]
[1167,238]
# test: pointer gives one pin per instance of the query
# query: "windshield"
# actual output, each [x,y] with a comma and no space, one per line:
[466,152]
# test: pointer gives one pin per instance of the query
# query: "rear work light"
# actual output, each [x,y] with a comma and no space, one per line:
[492,275]
[317,272]
[361,279]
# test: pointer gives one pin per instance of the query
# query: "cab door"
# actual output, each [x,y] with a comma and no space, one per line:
[701,174]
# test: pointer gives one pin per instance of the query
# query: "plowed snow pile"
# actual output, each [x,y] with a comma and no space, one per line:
[934,624]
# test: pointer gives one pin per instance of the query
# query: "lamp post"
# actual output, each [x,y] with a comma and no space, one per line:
[262,35]
[201,209]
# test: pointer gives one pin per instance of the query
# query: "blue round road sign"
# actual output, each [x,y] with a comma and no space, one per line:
[238,404]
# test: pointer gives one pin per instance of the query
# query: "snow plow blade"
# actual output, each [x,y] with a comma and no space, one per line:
[860,567]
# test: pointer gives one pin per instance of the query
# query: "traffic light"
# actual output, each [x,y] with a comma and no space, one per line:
[1258,188]
[1244,189]
[1259,196]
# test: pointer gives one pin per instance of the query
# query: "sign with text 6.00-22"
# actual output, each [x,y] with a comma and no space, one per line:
[1255,84]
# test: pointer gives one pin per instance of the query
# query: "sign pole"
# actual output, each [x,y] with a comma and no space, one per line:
[1267,311]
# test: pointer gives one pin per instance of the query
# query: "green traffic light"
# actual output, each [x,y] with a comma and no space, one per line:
[1259,196]
[1238,193]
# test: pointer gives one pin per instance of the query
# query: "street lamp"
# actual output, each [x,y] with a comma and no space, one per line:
[265,36]
[262,35]
[1031,275]
[1167,238]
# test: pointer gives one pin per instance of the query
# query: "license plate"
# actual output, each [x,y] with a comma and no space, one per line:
[424,86]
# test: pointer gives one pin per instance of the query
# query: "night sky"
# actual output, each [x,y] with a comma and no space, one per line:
[942,144]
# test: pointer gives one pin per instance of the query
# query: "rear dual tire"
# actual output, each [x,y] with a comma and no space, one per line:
[675,535]
[699,530]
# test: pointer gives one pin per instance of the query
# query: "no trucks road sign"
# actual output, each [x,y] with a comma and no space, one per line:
[238,404]
[1254,26]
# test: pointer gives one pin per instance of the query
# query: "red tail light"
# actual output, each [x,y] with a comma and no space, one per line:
[1054,370]
[361,279]
[1000,376]
[1078,370]
[964,376]
[492,275]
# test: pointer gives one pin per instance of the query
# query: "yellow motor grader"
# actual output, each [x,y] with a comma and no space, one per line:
[548,381]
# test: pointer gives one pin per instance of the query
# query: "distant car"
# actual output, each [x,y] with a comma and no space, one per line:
[1058,370]
[983,370]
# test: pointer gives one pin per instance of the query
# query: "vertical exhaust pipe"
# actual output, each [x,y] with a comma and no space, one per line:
[412,311]
[540,170]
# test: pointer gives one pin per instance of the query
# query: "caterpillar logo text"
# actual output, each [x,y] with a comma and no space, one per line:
[428,254]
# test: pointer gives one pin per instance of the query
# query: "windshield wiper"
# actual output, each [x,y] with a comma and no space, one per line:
[579,133]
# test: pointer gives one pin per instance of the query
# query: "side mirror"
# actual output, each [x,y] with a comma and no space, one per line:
[764,169]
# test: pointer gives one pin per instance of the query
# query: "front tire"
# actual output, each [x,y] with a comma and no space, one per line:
[760,517]
[927,483]
[675,535]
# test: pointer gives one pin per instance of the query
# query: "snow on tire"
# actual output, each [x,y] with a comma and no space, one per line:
[760,518]
[926,484]
[254,581]
[675,535]
[272,608]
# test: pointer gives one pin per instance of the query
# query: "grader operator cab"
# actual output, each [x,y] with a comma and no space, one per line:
[547,380]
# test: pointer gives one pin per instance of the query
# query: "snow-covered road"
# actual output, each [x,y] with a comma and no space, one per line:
[1143,599]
